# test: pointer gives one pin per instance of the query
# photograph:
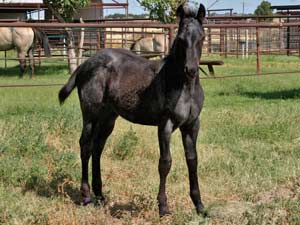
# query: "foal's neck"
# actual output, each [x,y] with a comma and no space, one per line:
[175,57]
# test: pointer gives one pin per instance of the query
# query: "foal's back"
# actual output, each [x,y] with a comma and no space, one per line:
[126,83]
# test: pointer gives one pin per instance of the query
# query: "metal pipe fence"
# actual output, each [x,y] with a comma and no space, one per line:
[241,40]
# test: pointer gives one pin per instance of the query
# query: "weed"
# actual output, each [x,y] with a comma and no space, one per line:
[126,145]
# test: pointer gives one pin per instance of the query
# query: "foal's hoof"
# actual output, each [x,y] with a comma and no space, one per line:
[101,201]
[201,210]
[86,201]
[164,211]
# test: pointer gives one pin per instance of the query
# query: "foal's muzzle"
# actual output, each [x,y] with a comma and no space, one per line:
[191,71]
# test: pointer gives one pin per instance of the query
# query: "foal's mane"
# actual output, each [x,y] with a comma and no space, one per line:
[190,12]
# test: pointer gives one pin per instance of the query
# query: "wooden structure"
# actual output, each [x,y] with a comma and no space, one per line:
[20,10]
[292,35]
[210,64]
[95,11]
[212,11]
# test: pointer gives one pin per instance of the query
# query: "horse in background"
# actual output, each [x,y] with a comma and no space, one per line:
[155,44]
[23,39]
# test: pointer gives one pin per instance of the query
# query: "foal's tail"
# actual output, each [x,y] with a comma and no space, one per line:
[68,87]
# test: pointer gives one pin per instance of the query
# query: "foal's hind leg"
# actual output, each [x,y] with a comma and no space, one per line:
[189,138]
[92,141]
[86,142]
[104,129]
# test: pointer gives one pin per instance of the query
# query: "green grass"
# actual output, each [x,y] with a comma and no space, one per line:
[269,64]
[249,154]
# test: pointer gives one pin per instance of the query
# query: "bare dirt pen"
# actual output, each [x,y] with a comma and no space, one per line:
[249,154]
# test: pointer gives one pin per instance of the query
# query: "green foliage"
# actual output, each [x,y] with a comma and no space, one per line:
[67,9]
[126,145]
[264,9]
[164,11]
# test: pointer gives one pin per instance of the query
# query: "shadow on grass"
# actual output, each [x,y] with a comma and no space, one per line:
[120,210]
[10,72]
[43,70]
[133,208]
[284,94]
[59,185]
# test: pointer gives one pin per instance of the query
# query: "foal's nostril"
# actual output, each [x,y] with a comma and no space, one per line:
[186,69]
[191,71]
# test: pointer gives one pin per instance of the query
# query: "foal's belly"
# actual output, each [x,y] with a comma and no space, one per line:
[149,120]
[146,113]
[179,115]
[153,108]
[153,112]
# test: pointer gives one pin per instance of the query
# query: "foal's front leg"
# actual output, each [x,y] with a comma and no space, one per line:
[189,137]
[165,161]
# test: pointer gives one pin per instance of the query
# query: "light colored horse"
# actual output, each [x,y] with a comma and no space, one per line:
[156,44]
[23,40]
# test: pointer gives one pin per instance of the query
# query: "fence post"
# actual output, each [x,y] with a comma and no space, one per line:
[237,42]
[288,37]
[222,40]
[122,43]
[39,55]
[247,43]
[226,43]
[98,40]
[209,48]
[257,52]
[298,41]
[5,61]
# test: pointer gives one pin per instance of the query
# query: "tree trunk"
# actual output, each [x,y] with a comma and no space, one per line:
[80,45]
[70,41]
[72,61]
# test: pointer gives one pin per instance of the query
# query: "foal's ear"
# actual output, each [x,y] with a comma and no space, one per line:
[180,12]
[201,13]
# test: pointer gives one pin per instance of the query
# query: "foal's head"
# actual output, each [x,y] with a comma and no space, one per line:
[190,37]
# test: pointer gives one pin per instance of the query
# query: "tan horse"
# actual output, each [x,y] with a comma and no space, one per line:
[23,40]
[157,44]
